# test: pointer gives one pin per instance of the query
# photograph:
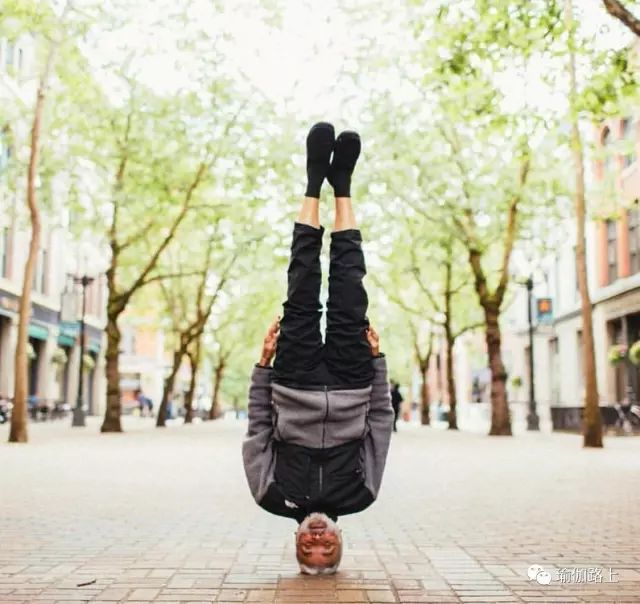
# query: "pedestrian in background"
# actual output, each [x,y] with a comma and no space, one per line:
[144,402]
[396,402]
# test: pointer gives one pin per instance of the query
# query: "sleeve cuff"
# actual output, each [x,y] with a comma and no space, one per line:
[380,365]
[261,374]
[263,366]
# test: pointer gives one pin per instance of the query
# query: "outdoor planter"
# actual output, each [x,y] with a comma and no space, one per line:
[88,362]
[59,357]
[634,353]
[617,353]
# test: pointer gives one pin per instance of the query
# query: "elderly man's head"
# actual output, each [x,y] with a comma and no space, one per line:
[318,545]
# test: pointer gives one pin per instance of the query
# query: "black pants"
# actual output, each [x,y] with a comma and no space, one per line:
[344,360]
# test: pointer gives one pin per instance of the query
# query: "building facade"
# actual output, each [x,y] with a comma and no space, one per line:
[143,359]
[613,262]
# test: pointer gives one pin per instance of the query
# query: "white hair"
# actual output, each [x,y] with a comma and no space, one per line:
[319,570]
[332,527]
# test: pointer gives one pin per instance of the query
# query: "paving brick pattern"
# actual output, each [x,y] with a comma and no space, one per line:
[164,515]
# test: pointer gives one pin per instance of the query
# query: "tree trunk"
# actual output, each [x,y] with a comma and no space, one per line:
[111,421]
[500,417]
[188,399]
[119,298]
[215,412]
[451,378]
[591,421]
[449,341]
[18,431]
[425,416]
[167,392]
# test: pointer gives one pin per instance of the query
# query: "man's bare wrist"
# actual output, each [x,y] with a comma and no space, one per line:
[265,362]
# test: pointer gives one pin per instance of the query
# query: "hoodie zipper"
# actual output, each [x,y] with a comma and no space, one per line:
[324,427]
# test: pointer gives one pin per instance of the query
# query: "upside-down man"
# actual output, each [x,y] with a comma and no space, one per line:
[320,420]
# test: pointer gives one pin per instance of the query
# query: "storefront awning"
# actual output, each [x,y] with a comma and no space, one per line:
[38,332]
[65,340]
[68,333]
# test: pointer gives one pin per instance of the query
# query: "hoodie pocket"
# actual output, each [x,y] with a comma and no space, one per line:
[292,472]
[346,462]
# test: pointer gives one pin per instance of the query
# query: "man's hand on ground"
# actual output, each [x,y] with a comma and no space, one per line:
[269,343]
[374,341]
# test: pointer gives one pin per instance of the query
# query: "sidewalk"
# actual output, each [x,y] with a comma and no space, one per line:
[164,515]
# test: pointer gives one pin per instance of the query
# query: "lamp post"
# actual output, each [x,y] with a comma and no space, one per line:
[78,411]
[533,422]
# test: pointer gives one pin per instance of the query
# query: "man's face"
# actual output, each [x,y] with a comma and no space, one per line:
[318,541]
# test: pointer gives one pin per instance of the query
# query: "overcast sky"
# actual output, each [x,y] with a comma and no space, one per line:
[295,57]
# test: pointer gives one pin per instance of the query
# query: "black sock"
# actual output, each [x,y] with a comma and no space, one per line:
[345,155]
[319,146]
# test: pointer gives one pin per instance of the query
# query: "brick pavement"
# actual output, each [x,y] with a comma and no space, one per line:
[165,516]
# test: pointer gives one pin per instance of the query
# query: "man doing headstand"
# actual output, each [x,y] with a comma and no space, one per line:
[320,420]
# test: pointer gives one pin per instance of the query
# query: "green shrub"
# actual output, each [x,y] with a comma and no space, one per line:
[617,353]
[634,353]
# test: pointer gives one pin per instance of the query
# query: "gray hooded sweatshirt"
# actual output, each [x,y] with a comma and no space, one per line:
[316,419]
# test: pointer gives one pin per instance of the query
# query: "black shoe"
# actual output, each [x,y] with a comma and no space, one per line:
[345,155]
[320,142]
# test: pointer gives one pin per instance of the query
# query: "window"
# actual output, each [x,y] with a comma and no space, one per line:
[556,278]
[9,54]
[634,240]
[4,251]
[40,274]
[128,342]
[5,149]
[574,257]
[629,140]
[606,149]
[43,271]
[612,250]
[554,380]
[579,362]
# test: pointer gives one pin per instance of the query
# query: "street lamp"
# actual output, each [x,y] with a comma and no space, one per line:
[533,421]
[78,411]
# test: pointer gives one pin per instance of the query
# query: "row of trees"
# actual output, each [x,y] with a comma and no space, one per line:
[186,188]
[485,177]
[169,182]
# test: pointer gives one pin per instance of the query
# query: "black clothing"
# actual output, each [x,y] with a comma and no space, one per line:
[320,142]
[332,479]
[345,155]
[344,360]
[396,396]
[396,401]
[309,480]
[309,449]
